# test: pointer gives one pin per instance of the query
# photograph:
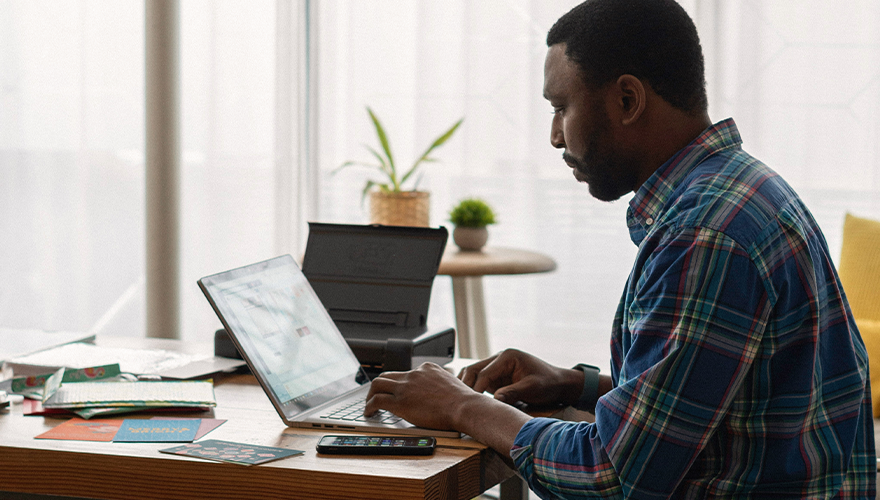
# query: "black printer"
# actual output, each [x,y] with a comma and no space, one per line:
[375,282]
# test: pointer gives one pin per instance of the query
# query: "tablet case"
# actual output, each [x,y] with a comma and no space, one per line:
[375,282]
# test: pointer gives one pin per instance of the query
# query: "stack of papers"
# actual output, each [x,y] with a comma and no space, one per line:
[168,364]
[88,399]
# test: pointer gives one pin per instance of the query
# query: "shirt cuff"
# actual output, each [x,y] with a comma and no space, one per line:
[590,391]
[522,444]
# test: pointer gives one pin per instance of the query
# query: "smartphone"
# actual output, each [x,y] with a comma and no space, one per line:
[376,445]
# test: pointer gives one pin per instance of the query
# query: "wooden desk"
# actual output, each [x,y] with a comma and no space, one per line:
[459,468]
[467,270]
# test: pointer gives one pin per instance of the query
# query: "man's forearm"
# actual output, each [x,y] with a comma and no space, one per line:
[496,424]
[490,422]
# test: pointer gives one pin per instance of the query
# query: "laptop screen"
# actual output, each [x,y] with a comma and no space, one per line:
[285,334]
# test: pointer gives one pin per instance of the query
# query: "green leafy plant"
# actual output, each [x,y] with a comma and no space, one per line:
[472,212]
[395,179]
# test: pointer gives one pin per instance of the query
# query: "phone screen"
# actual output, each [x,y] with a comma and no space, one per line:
[377,445]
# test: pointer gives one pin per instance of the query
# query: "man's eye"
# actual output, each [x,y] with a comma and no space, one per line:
[557,110]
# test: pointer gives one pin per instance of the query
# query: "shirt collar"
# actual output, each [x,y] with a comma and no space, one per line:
[649,202]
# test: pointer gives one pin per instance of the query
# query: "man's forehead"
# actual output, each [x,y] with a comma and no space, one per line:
[558,70]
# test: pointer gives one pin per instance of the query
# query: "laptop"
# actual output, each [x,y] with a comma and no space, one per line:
[294,349]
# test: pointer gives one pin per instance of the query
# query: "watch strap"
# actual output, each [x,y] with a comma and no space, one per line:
[590,392]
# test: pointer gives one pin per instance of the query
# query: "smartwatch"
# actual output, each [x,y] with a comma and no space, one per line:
[590,392]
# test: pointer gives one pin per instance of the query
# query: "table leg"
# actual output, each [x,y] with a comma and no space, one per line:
[470,317]
[513,489]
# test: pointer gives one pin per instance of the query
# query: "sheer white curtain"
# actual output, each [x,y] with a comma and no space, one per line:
[422,65]
[72,155]
[800,78]
[71,173]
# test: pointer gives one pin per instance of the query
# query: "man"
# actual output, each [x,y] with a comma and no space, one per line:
[737,370]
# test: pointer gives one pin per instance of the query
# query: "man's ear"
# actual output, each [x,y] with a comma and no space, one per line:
[632,99]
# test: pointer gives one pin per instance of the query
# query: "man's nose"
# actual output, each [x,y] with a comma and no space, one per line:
[557,138]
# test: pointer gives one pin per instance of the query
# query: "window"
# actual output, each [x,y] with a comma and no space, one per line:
[800,79]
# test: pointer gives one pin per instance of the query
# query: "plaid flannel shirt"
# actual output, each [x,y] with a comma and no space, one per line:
[738,371]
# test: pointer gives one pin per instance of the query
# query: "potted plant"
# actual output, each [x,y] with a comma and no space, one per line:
[392,202]
[470,217]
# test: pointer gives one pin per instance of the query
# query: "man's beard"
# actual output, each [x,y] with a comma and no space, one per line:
[602,170]
[607,174]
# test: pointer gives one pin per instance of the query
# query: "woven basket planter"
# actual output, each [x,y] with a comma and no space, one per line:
[404,208]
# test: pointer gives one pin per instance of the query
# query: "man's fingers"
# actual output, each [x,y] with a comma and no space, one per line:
[509,394]
[493,376]
[382,393]
[391,375]
[379,401]
[382,385]
[469,374]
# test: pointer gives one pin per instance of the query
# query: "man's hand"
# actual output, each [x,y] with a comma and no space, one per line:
[514,376]
[428,396]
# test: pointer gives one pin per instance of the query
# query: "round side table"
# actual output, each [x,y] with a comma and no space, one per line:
[467,270]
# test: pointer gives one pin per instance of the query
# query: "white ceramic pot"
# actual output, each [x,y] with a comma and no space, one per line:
[470,238]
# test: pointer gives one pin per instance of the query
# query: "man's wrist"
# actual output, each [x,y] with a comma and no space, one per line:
[489,421]
[590,390]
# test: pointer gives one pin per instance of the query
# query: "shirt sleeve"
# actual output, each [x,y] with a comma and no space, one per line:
[692,324]
[564,460]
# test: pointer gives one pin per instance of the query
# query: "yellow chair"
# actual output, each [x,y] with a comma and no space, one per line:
[860,274]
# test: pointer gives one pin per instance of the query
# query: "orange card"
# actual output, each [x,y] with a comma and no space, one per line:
[77,429]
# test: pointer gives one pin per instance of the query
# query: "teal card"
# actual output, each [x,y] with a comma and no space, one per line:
[239,453]
[157,431]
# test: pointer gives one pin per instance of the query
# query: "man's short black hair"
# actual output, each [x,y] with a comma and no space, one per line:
[653,40]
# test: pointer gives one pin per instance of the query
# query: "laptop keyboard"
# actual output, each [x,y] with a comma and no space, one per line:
[354,412]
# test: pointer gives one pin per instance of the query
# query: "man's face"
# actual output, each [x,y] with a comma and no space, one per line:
[582,127]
